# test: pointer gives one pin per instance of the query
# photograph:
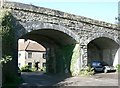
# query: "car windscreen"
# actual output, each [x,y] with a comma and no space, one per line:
[96,64]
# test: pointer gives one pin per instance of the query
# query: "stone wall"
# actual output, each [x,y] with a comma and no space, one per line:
[78,24]
[94,53]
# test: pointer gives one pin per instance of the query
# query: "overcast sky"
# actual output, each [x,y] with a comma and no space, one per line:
[104,10]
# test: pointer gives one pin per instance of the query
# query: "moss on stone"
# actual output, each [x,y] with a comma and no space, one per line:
[71,56]
[67,52]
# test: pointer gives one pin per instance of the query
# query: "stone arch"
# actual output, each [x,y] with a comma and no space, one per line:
[95,36]
[55,51]
[85,42]
[102,47]
[30,26]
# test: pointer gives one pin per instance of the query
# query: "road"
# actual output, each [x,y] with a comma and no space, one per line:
[39,79]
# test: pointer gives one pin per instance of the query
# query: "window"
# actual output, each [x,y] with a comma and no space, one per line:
[29,54]
[19,55]
[19,64]
[44,55]
[30,65]
[44,64]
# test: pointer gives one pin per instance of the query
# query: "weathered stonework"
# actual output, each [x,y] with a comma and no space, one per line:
[82,29]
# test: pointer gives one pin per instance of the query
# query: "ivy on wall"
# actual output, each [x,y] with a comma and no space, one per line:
[71,55]
[67,51]
[5,59]
[7,36]
[7,32]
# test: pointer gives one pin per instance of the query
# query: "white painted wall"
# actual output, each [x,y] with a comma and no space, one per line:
[21,59]
[36,57]
[21,40]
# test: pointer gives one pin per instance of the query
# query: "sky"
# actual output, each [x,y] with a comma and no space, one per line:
[103,10]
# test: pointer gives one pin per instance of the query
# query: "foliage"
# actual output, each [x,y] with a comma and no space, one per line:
[7,32]
[118,67]
[5,19]
[67,51]
[26,68]
[33,69]
[43,69]
[12,82]
[87,71]
[7,35]
[5,59]
[67,58]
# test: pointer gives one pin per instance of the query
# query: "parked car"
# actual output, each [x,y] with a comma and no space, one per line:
[102,66]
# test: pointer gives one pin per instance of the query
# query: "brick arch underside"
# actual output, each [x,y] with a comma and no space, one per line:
[103,48]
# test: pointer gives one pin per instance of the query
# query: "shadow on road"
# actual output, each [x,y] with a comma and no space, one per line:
[40,80]
[35,79]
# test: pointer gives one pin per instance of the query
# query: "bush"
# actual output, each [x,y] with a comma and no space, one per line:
[43,69]
[87,71]
[33,69]
[12,81]
[5,59]
[26,68]
[118,67]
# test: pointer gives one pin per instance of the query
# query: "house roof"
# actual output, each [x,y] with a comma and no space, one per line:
[30,45]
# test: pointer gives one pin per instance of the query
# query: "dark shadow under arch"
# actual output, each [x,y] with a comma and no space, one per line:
[56,41]
[37,25]
[103,49]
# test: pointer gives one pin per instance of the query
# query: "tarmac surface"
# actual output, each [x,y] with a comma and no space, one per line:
[39,79]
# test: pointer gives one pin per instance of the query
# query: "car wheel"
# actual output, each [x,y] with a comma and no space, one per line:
[105,70]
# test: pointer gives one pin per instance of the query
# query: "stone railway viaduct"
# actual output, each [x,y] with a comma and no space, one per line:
[71,41]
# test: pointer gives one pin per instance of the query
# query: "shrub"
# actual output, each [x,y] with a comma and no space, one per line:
[5,59]
[43,69]
[87,71]
[12,81]
[33,69]
[118,67]
[26,68]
